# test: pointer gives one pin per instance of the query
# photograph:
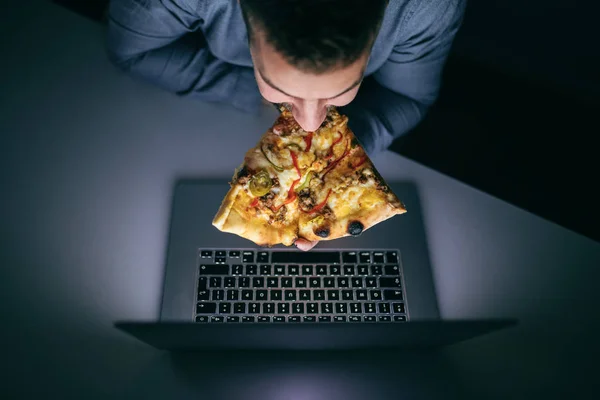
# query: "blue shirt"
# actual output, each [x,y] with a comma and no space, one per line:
[199,48]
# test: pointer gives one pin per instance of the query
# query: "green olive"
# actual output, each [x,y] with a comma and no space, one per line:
[260,184]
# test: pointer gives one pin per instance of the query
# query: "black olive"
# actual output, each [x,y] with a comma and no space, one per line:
[355,228]
[322,232]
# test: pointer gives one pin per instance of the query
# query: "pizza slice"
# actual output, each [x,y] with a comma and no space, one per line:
[314,185]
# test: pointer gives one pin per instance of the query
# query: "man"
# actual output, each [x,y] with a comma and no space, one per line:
[307,54]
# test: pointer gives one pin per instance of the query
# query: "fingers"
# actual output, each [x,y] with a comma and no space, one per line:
[305,245]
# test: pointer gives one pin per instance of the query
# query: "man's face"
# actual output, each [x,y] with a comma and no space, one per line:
[308,94]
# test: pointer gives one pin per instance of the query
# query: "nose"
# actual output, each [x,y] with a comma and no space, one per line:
[309,114]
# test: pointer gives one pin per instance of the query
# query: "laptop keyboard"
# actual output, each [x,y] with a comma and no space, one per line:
[272,286]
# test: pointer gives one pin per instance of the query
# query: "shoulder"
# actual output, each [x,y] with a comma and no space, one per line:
[434,14]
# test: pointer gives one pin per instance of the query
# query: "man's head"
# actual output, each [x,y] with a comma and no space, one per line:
[311,54]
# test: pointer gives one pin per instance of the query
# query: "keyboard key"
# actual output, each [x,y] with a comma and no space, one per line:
[399,308]
[233,319]
[237,269]
[312,308]
[309,257]
[329,282]
[258,282]
[376,269]
[298,308]
[309,318]
[211,269]
[294,319]
[392,257]
[220,260]
[265,269]
[224,308]
[324,318]
[202,318]
[300,282]
[215,282]
[253,308]
[206,308]
[239,308]
[385,318]
[304,295]
[371,282]
[384,308]
[276,295]
[290,295]
[370,308]
[234,254]
[354,318]
[343,282]
[278,318]
[378,257]
[287,282]
[220,253]
[264,318]
[248,256]
[319,295]
[247,294]
[262,257]
[315,282]
[279,270]
[243,281]
[251,269]
[203,295]
[202,283]
[362,270]
[333,295]
[335,270]
[361,295]
[399,318]
[341,308]
[370,318]
[348,269]
[307,270]
[293,270]
[218,295]
[339,318]
[268,308]
[347,295]
[272,282]
[364,257]
[375,295]
[261,295]
[349,257]
[229,282]
[357,282]
[247,319]
[391,270]
[283,308]
[389,282]
[206,254]
[217,318]
[355,308]
[392,295]
[321,269]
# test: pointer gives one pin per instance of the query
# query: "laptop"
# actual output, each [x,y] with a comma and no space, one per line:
[372,291]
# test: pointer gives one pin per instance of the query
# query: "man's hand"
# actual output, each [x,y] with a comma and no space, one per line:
[304,245]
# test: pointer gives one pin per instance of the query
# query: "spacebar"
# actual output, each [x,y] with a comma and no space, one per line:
[309,257]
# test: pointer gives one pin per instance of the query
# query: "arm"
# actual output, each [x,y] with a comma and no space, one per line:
[395,99]
[161,41]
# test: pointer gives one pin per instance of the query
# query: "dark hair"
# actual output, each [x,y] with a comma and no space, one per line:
[316,35]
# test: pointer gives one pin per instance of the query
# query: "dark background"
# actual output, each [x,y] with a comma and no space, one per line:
[517,114]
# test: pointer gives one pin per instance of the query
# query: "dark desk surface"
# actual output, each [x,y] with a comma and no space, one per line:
[89,159]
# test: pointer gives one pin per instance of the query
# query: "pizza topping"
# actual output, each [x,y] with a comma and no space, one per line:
[361,162]
[307,180]
[330,154]
[355,228]
[243,176]
[260,184]
[320,205]
[294,146]
[264,152]
[305,199]
[336,162]
[322,231]
[308,141]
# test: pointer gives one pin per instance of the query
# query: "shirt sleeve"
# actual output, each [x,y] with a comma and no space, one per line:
[397,96]
[161,41]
